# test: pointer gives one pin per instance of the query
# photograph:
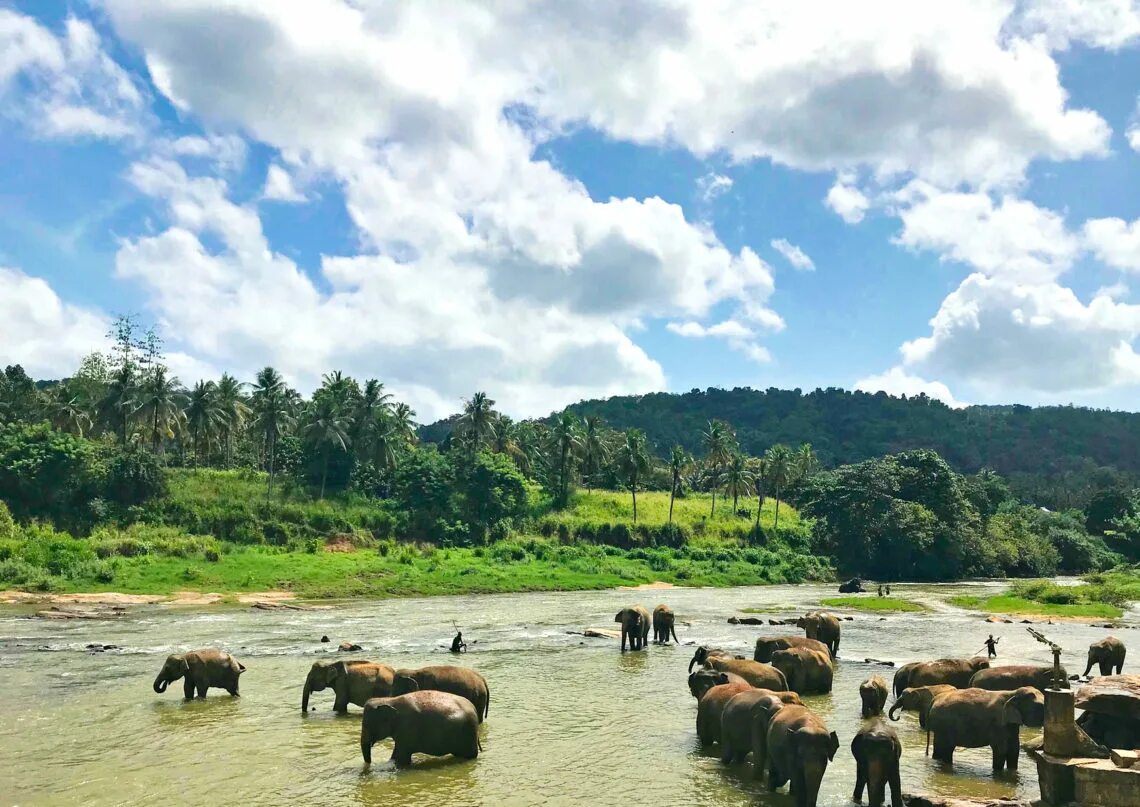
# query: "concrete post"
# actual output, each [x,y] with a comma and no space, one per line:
[1060,724]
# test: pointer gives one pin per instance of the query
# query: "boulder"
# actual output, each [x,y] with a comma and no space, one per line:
[602,633]
[349,647]
[745,620]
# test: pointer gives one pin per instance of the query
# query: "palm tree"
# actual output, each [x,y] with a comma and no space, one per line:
[737,478]
[403,424]
[566,441]
[781,471]
[233,409]
[68,413]
[273,408]
[633,460]
[805,461]
[505,435]
[327,427]
[204,417]
[679,460]
[159,405]
[759,479]
[595,451]
[477,420]
[115,407]
[718,441]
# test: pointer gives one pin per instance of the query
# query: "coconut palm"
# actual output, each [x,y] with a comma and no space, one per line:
[234,410]
[204,417]
[595,449]
[118,402]
[273,408]
[327,427]
[67,411]
[567,442]
[805,461]
[477,421]
[679,460]
[759,479]
[737,478]
[781,472]
[158,406]
[719,442]
[403,424]
[633,461]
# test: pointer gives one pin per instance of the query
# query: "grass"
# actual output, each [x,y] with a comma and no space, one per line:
[874,604]
[1013,604]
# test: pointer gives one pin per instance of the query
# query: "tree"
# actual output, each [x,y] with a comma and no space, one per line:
[759,479]
[67,411]
[679,460]
[477,421]
[273,414]
[718,442]
[595,451]
[327,427]
[234,411]
[567,443]
[46,473]
[494,491]
[159,405]
[781,471]
[633,461]
[204,417]
[403,424]
[737,478]
[805,461]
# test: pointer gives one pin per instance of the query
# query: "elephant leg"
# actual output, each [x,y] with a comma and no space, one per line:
[188,688]
[340,706]
[726,752]
[775,779]
[998,750]
[202,687]
[1106,668]
[860,780]
[623,635]
[896,786]
[943,748]
[1012,749]
[1119,667]
[401,759]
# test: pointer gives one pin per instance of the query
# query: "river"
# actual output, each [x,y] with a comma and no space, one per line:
[572,720]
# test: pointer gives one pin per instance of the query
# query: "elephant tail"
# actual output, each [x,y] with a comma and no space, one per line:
[487,706]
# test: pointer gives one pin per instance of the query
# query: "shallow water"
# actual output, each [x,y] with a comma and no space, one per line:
[572,720]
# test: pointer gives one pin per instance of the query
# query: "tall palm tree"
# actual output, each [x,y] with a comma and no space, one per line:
[118,402]
[273,408]
[805,461]
[477,420]
[567,443]
[505,436]
[595,449]
[234,410]
[327,426]
[67,411]
[204,417]
[633,461]
[759,479]
[679,460]
[374,403]
[737,478]
[781,471]
[404,425]
[159,405]
[719,442]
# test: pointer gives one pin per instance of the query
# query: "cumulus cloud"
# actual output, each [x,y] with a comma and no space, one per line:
[1115,241]
[847,201]
[279,186]
[712,185]
[1109,24]
[794,255]
[899,382]
[739,337]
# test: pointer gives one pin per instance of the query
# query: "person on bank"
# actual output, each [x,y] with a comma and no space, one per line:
[457,644]
[991,646]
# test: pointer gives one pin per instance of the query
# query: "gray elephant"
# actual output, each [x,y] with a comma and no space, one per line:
[664,621]
[762,676]
[461,681]
[808,672]
[703,653]
[822,627]
[353,682]
[766,646]
[634,625]
[954,671]
[1107,654]
[710,707]
[877,751]
[798,748]
[703,680]
[975,718]
[873,695]
[744,724]
[1015,676]
[429,722]
[918,699]
[202,669]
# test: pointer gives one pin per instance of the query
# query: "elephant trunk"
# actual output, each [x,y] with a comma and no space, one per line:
[692,661]
[160,684]
[305,697]
[894,712]
[366,745]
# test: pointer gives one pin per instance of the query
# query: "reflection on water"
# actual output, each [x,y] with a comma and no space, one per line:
[572,720]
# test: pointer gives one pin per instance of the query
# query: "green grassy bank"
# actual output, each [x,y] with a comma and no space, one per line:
[872,603]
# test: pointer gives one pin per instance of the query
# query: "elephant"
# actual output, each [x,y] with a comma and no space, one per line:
[766,646]
[461,681]
[823,627]
[635,625]
[763,676]
[427,722]
[353,682]
[703,680]
[711,706]
[704,653]
[873,694]
[1015,676]
[808,672]
[918,699]
[852,586]
[663,625]
[1107,653]
[877,751]
[202,669]
[974,718]
[744,724]
[799,746]
[954,671]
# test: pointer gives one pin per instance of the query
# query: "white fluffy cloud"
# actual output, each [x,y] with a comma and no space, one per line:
[739,337]
[899,382]
[712,185]
[1109,24]
[848,202]
[279,186]
[793,254]
[1115,241]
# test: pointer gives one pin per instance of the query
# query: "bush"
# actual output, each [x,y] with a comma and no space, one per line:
[7,523]
[134,477]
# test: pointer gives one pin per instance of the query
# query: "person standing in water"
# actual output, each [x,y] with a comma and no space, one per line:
[457,644]
[991,646]
[880,589]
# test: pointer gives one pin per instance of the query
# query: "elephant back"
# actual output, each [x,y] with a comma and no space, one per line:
[1011,677]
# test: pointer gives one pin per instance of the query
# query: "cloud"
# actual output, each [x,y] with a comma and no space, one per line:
[227,152]
[279,186]
[848,202]
[41,332]
[899,382]
[739,337]
[1133,135]
[712,185]
[794,255]
[1108,24]
[1115,242]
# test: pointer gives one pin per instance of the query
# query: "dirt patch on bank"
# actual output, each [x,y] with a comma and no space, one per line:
[181,598]
[657,585]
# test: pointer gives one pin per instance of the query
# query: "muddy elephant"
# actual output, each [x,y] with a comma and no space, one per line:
[822,627]
[744,724]
[202,669]
[711,706]
[663,625]
[767,645]
[954,671]
[1015,676]
[918,699]
[762,676]
[353,682]
[877,751]
[1108,654]
[873,695]
[975,718]
[634,625]
[427,722]
[461,681]
[703,653]
[798,748]
[808,672]
[703,680]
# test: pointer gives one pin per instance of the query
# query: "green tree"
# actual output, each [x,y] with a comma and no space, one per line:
[494,491]
[273,415]
[737,478]
[158,406]
[595,449]
[719,442]
[633,461]
[679,460]
[759,468]
[781,471]
[46,473]
[204,417]
[234,410]
[477,421]
[326,429]
[67,411]
[567,443]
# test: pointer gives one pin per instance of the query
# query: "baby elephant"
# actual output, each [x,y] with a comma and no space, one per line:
[877,751]
[424,722]
[202,669]
[873,693]
[663,625]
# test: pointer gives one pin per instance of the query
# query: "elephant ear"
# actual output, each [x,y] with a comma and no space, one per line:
[1011,712]
[619,614]
[336,670]
[184,663]
[722,678]
[832,745]
[405,684]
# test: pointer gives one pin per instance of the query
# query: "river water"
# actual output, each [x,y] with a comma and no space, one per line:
[572,720]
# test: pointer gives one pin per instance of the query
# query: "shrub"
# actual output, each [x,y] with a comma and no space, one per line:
[7,524]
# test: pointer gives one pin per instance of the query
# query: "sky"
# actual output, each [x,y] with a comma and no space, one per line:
[557,201]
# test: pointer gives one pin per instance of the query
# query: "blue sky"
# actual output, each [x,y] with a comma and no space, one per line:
[550,202]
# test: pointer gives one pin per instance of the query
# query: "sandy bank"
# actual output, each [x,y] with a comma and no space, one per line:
[657,585]
[182,598]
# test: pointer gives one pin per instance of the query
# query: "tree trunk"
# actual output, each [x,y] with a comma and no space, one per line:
[759,507]
[672,496]
[735,499]
[776,526]
[633,490]
[269,448]
[154,434]
[712,511]
[197,448]
[325,473]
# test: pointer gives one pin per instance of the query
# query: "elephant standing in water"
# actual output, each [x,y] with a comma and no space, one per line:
[822,627]
[710,707]
[877,751]
[808,672]
[703,680]
[918,699]
[634,625]
[461,681]
[1107,654]
[744,724]
[1015,676]
[975,718]
[873,694]
[663,625]
[767,645]
[435,723]
[353,682]
[202,669]
[799,746]
[954,671]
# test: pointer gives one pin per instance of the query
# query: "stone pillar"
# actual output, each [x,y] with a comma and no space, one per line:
[1060,724]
